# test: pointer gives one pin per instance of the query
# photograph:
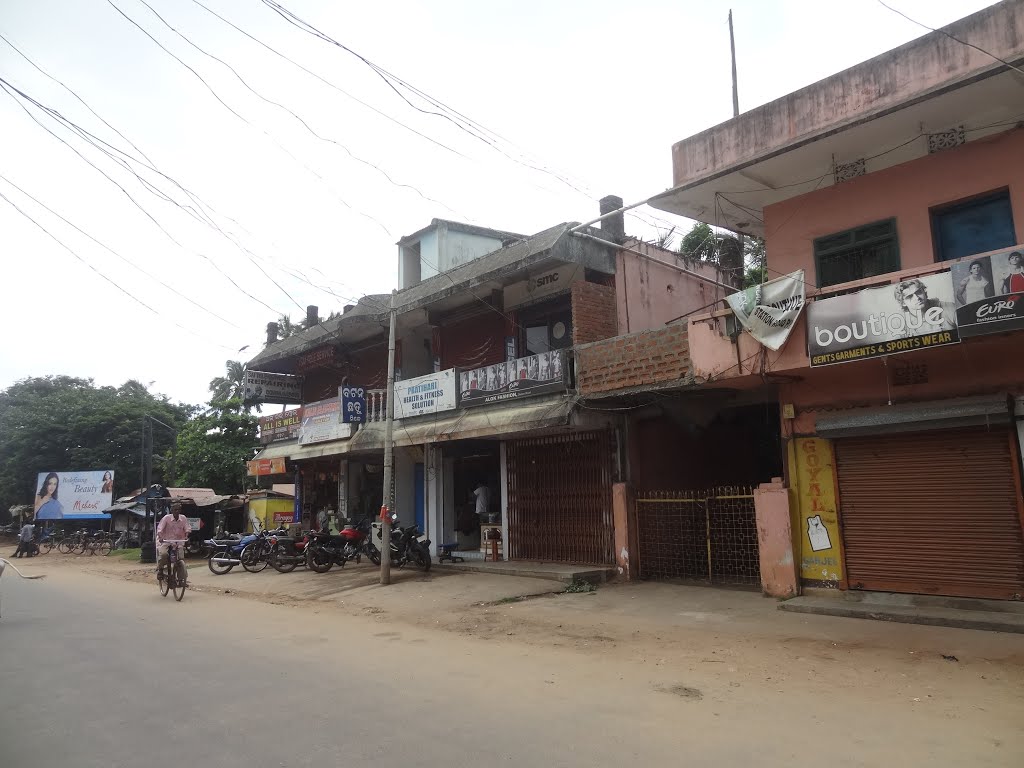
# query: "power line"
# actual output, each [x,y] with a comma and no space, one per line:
[107,248]
[7,88]
[293,114]
[271,138]
[952,37]
[91,267]
[328,83]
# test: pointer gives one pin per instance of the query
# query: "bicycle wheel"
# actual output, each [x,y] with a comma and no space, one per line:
[65,547]
[180,579]
[165,585]
[47,546]
[105,547]
[254,557]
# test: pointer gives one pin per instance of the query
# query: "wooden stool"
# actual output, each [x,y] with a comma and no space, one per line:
[492,552]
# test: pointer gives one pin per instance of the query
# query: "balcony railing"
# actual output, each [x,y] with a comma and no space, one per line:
[376,404]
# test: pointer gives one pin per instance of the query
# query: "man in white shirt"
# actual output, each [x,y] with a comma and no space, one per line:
[172,527]
[483,500]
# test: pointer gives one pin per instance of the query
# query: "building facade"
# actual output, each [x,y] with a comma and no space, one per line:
[900,207]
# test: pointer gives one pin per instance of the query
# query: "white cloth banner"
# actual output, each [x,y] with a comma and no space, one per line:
[769,311]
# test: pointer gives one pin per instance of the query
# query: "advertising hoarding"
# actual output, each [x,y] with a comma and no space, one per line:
[67,495]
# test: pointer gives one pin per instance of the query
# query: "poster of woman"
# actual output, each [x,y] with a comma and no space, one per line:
[67,495]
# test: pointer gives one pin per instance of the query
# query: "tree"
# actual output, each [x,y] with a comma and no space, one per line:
[230,385]
[214,446]
[724,250]
[286,328]
[61,423]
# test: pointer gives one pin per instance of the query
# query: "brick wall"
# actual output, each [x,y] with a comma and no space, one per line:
[593,312]
[628,362]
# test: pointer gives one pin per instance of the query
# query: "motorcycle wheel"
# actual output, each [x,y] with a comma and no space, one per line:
[421,556]
[318,560]
[374,554]
[194,548]
[281,566]
[253,558]
[218,568]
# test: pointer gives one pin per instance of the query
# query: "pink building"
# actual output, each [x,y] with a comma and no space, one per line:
[897,187]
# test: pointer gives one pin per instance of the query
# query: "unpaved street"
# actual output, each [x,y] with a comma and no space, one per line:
[99,670]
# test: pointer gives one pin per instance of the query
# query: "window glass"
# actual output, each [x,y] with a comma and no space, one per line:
[977,226]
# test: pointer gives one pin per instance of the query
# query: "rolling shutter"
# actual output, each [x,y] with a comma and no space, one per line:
[932,513]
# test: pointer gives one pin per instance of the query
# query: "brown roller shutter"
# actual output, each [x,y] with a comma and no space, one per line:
[932,513]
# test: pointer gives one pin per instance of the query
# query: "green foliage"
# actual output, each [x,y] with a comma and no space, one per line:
[63,423]
[214,446]
[723,249]
[700,243]
[578,586]
[229,386]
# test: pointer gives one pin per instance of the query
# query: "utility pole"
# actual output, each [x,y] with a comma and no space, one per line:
[389,455]
[735,87]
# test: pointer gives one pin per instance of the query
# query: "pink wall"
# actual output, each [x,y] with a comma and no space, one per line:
[775,539]
[649,294]
[984,365]
[905,192]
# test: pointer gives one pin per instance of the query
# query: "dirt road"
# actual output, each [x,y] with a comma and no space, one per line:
[716,675]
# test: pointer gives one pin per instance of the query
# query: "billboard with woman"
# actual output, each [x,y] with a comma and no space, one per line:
[67,495]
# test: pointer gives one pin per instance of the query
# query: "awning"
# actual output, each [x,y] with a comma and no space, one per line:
[95,516]
[989,410]
[462,424]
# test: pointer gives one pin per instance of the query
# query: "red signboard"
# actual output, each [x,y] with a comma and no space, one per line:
[259,467]
[321,357]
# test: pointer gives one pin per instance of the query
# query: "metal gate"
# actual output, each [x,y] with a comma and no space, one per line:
[560,499]
[932,513]
[708,535]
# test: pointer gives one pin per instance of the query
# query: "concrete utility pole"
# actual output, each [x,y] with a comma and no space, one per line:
[389,455]
[735,87]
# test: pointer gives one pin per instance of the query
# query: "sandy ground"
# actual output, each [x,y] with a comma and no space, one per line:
[941,696]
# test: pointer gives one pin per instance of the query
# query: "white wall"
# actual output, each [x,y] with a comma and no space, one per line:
[458,248]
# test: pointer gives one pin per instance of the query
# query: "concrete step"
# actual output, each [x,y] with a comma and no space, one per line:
[893,599]
[905,613]
[566,574]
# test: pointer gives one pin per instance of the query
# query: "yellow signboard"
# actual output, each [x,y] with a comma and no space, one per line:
[816,529]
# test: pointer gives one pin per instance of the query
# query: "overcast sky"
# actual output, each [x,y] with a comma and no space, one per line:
[594,91]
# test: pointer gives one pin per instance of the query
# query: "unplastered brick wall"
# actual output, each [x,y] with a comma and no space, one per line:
[593,312]
[628,362]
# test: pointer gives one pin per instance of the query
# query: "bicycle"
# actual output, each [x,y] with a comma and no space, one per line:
[176,578]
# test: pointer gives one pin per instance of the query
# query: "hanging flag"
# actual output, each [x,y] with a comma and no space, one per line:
[769,311]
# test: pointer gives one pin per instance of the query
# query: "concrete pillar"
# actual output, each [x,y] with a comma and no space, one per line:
[775,539]
[624,520]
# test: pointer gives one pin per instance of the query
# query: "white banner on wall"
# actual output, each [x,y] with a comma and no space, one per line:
[321,421]
[428,394]
[769,311]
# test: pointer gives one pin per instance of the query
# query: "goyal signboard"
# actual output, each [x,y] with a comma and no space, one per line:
[67,495]
[917,313]
[264,387]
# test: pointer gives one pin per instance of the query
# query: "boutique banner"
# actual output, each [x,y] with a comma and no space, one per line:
[916,313]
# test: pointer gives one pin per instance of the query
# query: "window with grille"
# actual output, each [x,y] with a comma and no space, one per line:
[857,253]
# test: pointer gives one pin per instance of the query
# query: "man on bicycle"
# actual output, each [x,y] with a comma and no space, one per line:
[172,527]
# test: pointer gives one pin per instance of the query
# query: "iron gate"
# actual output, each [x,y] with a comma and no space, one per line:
[708,535]
[560,499]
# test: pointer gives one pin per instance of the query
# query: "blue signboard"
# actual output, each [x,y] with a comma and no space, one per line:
[353,405]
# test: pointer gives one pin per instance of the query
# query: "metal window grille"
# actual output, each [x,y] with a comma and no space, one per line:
[857,253]
[708,535]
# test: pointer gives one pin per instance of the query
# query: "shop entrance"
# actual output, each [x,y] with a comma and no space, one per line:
[473,463]
[694,473]
[932,512]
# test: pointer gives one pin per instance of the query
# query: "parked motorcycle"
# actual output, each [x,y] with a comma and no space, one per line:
[406,546]
[324,551]
[225,554]
[255,555]
[287,552]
